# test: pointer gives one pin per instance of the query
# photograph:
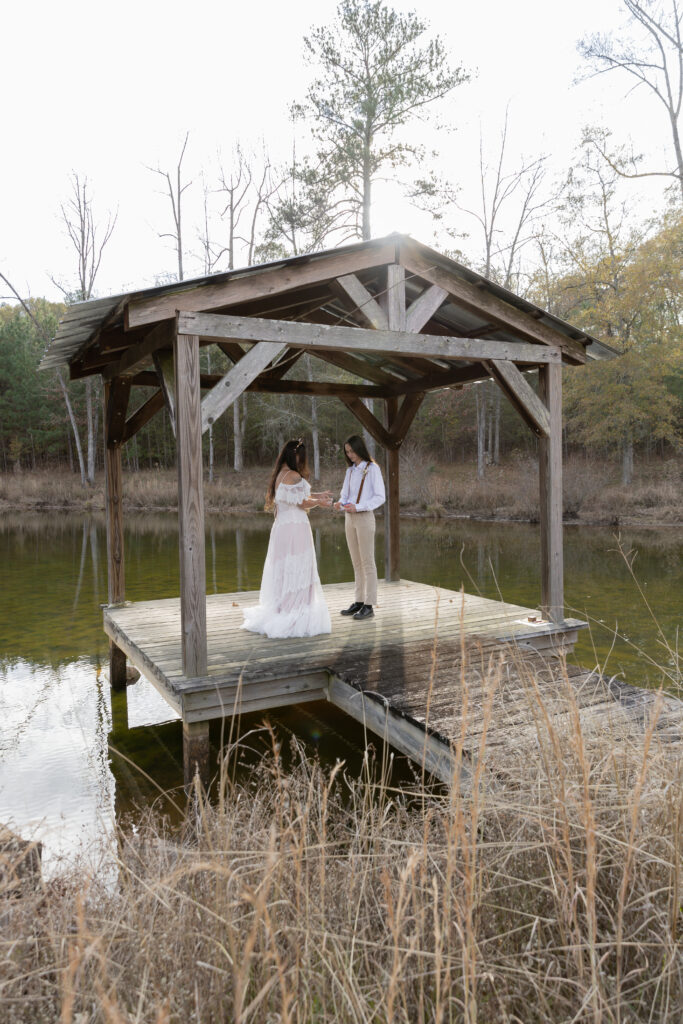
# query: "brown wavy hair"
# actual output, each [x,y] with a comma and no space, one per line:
[292,455]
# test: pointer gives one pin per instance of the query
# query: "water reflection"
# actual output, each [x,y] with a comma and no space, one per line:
[59,780]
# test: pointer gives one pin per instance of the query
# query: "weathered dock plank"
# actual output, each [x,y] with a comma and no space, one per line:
[431,673]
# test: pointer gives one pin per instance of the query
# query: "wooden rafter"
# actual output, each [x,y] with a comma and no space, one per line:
[231,349]
[283,366]
[361,368]
[160,336]
[488,306]
[364,303]
[423,308]
[253,285]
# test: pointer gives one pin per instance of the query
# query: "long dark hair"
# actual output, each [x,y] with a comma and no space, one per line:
[357,444]
[292,455]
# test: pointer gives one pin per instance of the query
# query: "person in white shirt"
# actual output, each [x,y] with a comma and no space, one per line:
[362,492]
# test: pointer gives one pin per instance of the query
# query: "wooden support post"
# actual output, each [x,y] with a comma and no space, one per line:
[196,751]
[550,480]
[395,305]
[392,530]
[190,505]
[113,490]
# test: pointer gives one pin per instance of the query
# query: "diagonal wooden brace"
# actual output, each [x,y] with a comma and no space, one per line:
[521,395]
[236,380]
[370,422]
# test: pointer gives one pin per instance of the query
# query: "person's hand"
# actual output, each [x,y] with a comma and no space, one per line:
[337,505]
[350,508]
[325,502]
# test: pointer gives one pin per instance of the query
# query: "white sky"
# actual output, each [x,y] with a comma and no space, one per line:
[108,91]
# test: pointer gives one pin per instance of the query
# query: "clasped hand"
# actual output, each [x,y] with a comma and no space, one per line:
[324,499]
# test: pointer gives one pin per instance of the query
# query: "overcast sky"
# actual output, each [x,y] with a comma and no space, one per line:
[110,90]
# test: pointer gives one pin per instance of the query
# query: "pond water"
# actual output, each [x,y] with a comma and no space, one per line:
[72,761]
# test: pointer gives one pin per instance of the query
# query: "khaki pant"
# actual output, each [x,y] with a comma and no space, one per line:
[360,537]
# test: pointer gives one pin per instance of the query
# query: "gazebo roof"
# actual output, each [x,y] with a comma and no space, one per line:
[343,286]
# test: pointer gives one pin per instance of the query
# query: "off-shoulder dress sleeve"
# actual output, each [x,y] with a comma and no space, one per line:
[293,494]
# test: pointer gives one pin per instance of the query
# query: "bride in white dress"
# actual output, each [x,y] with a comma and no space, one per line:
[291,601]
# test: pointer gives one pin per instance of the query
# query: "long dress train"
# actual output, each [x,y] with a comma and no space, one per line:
[291,601]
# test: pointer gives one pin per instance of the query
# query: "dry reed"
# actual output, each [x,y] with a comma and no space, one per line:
[592,492]
[543,885]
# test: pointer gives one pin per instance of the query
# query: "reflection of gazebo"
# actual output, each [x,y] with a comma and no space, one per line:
[401,318]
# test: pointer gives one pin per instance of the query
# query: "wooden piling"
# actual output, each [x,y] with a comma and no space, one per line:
[113,477]
[196,751]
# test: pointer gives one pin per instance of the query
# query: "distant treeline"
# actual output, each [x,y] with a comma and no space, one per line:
[632,403]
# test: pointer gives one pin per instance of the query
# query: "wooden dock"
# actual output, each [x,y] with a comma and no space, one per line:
[428,673]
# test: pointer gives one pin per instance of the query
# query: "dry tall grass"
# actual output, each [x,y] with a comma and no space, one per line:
[592,491]
[305,896]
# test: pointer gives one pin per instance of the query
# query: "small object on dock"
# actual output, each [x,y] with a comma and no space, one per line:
[132,675]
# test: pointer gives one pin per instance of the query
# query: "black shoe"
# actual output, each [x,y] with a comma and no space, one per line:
[355,607]
[365,612]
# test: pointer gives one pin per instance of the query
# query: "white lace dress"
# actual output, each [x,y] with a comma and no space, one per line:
[291,601]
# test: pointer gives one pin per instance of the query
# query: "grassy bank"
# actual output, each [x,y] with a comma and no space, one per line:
[545,888]
[592,491]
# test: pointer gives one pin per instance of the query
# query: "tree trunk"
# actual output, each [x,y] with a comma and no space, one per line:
[238,461]
[496,441]
[72,420]
[481,433]
[367,187]
[627,462]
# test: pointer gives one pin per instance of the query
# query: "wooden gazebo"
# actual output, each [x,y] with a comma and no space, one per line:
[398,316]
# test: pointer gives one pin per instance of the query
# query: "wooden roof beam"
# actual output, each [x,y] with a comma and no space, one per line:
[257,284]
[488,306]
[362,369]
[358,339]
[160,336]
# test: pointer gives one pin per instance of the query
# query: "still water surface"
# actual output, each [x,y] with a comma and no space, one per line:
[59,780]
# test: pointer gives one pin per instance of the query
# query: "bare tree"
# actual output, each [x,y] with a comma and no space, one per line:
[60,380]
[654,59]
[175,194]
[88,242]
[246,189]
[510,205]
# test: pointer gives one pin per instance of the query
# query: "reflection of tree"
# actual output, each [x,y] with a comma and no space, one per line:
[239,559]
[84,548]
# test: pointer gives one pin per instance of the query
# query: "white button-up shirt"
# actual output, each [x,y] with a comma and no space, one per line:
[373,489]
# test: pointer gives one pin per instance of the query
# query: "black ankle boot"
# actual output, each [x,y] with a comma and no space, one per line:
[365,612]
[352,609]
